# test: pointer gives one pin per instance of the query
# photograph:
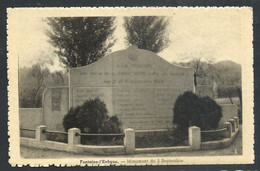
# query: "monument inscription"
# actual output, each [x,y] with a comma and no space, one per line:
[141,92]
[55,99]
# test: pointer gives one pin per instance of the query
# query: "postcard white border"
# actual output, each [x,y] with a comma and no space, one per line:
[247,84]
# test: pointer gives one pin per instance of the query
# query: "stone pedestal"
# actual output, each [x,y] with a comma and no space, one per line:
[129,141]
[194,137]
[73,138]
[227,133]
[40,133]
[233,122]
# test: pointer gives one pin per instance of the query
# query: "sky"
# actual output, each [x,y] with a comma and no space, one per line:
[211,34]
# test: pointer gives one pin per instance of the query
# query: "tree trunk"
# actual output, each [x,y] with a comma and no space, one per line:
[195,79]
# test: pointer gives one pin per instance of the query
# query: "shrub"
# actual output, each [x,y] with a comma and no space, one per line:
[192,110]
[111,125]
[187,110]
[91,117]
[213,113]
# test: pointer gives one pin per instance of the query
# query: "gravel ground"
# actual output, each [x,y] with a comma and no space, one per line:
[234,149]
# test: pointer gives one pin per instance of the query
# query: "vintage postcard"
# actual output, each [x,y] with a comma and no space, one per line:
[130,86]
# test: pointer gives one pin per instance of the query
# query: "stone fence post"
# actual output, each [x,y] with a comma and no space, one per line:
[40,133]
[227,134]
[237,121]
[129,141]
[233,122]
[73,138]
[194,137]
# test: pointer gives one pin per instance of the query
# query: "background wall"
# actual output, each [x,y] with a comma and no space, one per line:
[55,106]
[30,118]
[228,111]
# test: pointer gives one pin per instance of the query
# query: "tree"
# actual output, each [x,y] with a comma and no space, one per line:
[147,32]
[30,84]
[197,70]
[199,67]
[34,80]
[81,41]
[37,74]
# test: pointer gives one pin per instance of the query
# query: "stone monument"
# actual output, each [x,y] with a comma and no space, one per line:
[137,86]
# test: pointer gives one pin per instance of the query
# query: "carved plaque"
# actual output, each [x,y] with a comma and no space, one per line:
[55,99]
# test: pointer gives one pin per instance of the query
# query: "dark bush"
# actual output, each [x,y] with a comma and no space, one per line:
[111,125]
[187,110]
[91,117]
[192,110]
[213,113]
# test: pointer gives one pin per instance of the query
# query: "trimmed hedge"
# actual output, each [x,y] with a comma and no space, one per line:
[192,110]
[91,117]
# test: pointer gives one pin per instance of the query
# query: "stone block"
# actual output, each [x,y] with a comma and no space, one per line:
[73,136]
[233,122]
[129,141]
[40,133]
[237,121]
[194,137]
[227,133]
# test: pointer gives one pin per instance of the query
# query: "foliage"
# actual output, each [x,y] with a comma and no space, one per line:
[111,125]
[186,109]
[213,113]
[226,75]
[161,139]
[91,117]
[192,110]
[227,91]
[81,41]
[33,81]
[147,32]
[211,136]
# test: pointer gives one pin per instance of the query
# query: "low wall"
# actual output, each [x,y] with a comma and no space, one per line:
[162,149]
[220,143]
[235,100]
[86,149]
[74,136]
[30,118]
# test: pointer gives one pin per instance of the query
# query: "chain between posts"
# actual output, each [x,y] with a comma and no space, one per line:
[83,134]
[213,131]
[27,129]
[57,132]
